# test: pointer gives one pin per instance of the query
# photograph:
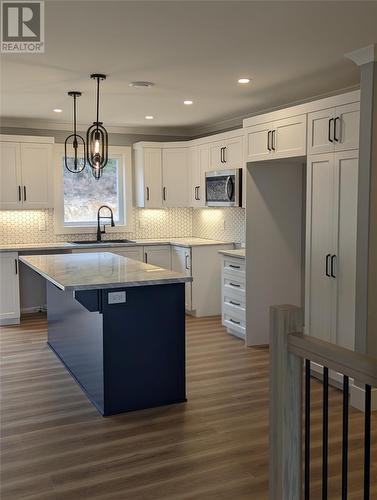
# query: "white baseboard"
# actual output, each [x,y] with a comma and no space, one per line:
[10,321]
[34,309]
[357,399]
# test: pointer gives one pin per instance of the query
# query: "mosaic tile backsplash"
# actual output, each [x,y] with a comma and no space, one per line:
[37,226]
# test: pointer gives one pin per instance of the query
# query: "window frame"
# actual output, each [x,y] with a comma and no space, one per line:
[123,153]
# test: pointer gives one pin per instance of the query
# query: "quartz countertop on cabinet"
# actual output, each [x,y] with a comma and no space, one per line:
[238,253]
[184,242]
[99,270]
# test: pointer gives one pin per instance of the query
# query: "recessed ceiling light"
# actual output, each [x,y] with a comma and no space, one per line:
[188,102]
[149,117]
[57,110]
[141,85]
[244,80]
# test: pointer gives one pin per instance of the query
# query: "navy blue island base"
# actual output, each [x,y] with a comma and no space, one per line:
[125,356]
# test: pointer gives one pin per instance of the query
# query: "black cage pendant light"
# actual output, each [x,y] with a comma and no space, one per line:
[97,152]
[74,161]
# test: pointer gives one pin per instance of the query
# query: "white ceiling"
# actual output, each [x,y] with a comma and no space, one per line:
[191,50]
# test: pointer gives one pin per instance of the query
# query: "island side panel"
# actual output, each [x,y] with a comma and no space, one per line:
[75,335]
[144,348]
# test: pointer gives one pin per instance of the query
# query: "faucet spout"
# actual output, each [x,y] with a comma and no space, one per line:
[100,217]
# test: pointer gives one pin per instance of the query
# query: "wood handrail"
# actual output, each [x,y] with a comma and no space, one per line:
[359,366]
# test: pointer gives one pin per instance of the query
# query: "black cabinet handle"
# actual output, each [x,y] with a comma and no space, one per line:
[16,266]
[273,134]
[146,257]
[329,132]
[198,188]
[224,154]
[147,193]
[336,138]
[19,193]
[234,303]
[234,267]
[333,262]
[327,265]
[186,262]
[268,140]
[164,193]
[234,321]
[234,284]
[24,193]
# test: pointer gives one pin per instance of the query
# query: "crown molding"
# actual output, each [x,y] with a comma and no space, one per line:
[363,56]
[30,123]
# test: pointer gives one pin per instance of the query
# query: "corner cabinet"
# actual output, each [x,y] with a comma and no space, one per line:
[285,138]
[9,289]
[198,166]
[331,223]
[175,177]
[25,174]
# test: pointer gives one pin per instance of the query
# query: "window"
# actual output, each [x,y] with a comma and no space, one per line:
[79,195]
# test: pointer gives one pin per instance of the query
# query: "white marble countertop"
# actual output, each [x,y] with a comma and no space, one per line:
[184,242]
[239,253]
[86,271]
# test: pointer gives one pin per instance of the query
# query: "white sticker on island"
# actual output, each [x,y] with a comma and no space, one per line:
[116,297]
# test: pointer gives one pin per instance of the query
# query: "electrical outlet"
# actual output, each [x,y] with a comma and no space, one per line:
[223,224]
[116,297]
[42,225]
[141,224]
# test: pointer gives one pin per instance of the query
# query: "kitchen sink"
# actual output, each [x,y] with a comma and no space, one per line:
[91,242]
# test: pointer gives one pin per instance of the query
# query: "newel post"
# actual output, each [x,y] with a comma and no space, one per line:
[285,406]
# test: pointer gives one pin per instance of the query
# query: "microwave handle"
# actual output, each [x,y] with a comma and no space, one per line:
[229,187]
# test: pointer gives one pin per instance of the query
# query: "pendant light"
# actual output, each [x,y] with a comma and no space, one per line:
[97,152]
[78,163]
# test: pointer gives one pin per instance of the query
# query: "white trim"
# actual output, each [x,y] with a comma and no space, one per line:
[27,138]
[363,56]
[124,152]
[357,399]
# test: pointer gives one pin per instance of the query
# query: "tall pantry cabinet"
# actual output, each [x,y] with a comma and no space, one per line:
[331,226]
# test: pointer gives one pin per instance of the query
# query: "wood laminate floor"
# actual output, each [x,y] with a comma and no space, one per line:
[56,446]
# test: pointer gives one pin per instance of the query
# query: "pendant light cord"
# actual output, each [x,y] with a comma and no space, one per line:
[74,116]
[98,78]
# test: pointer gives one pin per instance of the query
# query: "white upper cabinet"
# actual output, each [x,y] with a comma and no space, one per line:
[334,129]
[148,172]
[25,175]
[175,177]
[227,153]
[10,176]
[283,138]
[198,166]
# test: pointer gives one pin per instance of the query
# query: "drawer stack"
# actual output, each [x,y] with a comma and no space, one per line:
[234,296]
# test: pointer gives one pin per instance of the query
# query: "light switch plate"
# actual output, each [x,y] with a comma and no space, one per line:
[116,297]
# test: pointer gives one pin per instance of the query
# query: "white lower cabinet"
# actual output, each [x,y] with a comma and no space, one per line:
[9,289]
[331,247]
[158,255]
[135,253]
[202,263]
[234,295]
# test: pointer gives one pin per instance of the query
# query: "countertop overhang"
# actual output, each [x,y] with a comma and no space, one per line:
[99,270]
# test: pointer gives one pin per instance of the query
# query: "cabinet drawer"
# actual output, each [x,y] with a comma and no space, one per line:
[236,325]
[234,283]
[237,265]
[234,310]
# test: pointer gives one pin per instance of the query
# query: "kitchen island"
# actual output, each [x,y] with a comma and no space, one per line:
[118,326]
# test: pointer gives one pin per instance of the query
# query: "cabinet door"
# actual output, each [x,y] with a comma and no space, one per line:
[158,256]
[152,178]
[194,175]
[36,173]
[319,241]
[289,137]
[215,156]
[135,253]
[345,216]
[9,288]
[175,177]
[10,176]
[181,263]
[233,153]
[346,131]
[320,131]
[257,142]
[201,174]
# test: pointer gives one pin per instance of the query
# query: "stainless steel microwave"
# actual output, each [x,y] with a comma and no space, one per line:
[224,188]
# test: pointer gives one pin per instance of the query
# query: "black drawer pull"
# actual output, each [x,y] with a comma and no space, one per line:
[234,303]
[234,284]
[234,321]
[234,267]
